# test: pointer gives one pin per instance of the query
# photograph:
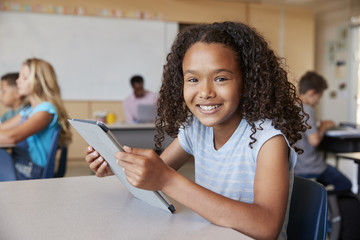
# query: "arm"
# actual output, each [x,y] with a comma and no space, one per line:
[11,123]
[174,155]
[316,137]
[14,132]
[261,220]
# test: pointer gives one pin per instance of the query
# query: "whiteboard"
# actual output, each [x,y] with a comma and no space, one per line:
[94,57]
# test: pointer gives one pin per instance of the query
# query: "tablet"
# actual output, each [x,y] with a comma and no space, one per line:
[98,135]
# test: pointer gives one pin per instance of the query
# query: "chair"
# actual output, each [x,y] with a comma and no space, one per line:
[62,163]
[308,210]
[7,171]
[48,171]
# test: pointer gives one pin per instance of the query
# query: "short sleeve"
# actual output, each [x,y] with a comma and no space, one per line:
[184,138]
[47,107]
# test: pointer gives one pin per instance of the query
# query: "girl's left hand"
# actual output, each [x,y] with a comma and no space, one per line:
[144,168]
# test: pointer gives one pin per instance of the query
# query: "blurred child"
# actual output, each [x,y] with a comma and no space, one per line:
[10,96]
[311,164]
[226,98]
[33,128]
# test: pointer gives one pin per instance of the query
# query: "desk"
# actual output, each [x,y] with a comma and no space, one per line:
[137,135]
[340,141]
[355,156]
[94,208]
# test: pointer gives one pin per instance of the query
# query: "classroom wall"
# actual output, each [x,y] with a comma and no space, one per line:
[333,46]
[289,31]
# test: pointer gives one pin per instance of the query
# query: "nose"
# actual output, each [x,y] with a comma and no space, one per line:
[206,90]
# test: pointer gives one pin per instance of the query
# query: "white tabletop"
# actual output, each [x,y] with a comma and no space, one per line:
[94,208]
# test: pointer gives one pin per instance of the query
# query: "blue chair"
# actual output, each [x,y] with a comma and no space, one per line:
[308,210]
[62,162]
[48,171]
[7,171]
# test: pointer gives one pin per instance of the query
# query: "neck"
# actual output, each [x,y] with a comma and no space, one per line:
[34,101]
[222,133]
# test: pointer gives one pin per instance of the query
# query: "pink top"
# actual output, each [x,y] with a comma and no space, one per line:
[131,102]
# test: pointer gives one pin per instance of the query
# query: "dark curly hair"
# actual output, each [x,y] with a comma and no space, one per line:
[267,93]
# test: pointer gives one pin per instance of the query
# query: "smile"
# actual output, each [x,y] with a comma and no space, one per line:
[208,108]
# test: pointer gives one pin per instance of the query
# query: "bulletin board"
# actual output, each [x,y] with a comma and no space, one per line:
[94,57]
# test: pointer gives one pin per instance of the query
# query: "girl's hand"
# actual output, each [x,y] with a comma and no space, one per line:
[97,163]
[144,168]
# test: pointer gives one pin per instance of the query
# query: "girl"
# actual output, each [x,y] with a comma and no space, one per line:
[32,129]
[227,101]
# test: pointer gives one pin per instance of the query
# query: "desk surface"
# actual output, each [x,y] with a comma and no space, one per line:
[94,208]
[351,155]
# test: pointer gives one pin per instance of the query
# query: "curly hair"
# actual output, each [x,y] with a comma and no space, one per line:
[267,93]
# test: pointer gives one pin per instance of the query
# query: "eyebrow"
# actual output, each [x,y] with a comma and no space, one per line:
[215,71]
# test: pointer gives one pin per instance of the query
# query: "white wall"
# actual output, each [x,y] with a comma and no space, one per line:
[332,47]
[94,57]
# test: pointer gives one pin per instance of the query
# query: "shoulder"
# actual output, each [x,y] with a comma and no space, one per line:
[45,107]
[309,109]
[152,95]
[129,98]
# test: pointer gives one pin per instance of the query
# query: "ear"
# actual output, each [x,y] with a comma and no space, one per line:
[311,92]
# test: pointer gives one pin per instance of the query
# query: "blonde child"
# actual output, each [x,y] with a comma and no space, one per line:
[227,102]
[10,96]
[32,129]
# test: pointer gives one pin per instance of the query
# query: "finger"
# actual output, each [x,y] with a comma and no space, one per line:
[89,158]
[101,171]
[94,165]
[89,149]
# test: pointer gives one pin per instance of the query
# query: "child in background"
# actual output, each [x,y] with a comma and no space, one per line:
[227,101]
[311,164]
[10,96]
[33,128]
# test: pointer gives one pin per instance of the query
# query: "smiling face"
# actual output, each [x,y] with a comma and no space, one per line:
[212,84]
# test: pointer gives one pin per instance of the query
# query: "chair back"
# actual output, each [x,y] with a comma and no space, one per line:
[308,210]
[48,171]
[62,162]
[7,171]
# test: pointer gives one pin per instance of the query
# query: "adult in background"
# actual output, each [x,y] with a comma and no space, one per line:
[139,96]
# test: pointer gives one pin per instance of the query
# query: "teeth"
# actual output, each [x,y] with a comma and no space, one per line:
[207,108]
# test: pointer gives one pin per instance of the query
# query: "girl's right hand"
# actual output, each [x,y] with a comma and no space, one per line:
[97,163]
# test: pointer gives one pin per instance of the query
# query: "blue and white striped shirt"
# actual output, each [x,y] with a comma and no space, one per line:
[230,170]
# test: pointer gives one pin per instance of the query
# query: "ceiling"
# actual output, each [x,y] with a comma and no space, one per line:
[314,4]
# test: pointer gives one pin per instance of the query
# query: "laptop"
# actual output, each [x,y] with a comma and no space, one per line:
[146,113]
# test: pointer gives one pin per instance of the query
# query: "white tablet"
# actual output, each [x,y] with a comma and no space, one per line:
[98,135]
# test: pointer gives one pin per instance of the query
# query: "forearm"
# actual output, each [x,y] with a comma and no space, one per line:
[6,137]
[251,219]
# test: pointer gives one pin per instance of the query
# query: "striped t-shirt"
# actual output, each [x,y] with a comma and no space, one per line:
[230,170]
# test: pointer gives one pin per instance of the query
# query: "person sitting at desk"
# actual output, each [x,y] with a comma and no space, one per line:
[311,164]
[10,96]
[139,96]
[33,128]
[226,98]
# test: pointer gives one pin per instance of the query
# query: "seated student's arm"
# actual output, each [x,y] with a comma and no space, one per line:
[262,219]
[12,131]
[11,123]
[316,137]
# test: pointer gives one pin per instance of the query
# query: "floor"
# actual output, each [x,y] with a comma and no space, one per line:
[78,167]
